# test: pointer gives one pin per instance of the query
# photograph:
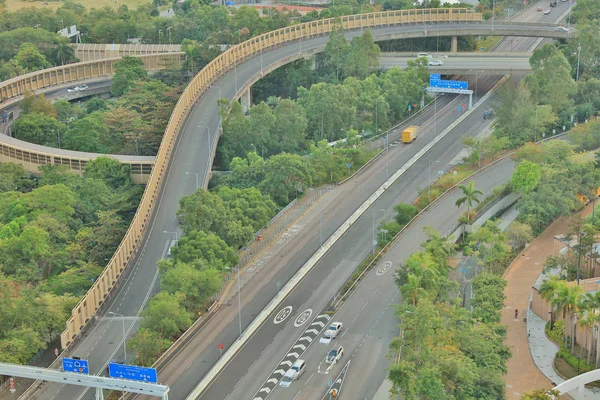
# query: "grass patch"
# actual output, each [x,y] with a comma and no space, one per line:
[487,43]
[444,183]
[14,5]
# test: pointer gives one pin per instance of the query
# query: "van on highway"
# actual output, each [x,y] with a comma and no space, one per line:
[409,134]
[293,373]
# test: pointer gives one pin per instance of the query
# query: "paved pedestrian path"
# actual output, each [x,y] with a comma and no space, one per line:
[530,366]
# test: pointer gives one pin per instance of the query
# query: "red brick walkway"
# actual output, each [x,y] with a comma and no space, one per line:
[521,275]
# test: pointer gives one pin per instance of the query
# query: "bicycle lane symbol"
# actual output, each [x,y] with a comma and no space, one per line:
[282,315]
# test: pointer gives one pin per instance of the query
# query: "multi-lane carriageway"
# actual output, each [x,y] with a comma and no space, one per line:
[369,320]
[103,343]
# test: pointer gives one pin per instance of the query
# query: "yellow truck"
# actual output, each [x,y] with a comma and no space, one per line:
[409,134]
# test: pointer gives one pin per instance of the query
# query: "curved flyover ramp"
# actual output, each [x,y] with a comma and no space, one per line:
[188,147]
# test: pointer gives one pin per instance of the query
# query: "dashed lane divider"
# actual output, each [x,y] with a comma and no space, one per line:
[316,257]
[335,390]
[309,335]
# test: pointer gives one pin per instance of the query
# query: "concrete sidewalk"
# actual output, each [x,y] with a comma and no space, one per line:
[530,368]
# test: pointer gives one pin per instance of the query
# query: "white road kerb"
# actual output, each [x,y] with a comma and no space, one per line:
[292,283]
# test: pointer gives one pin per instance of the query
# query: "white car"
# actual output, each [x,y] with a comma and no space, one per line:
[435,63]
[78,88]
[547,12]
[334,355]
[333,330]
[561,29]
[293,373]
[423,55]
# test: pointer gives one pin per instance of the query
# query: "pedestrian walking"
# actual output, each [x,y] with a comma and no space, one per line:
[516,313]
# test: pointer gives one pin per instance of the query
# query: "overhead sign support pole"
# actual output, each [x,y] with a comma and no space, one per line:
[81,379]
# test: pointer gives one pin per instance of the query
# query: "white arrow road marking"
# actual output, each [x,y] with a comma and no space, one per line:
[296,355]
[327,317]
[316,332]
[287,362]
[321,324]
[265,389]
[273,380]
[306,338]
[300,346]
[258,398]
[279,371]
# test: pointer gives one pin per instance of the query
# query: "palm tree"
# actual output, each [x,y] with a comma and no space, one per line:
[566,300]
[471,195]
[64,51]
[413,290]
[440,247]
[590,305]
[547,290]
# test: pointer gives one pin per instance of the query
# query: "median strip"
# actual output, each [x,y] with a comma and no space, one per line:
[307,267]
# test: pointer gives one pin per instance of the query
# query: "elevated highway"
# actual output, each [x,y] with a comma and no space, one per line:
[188,146]
[310,38]
[482,64]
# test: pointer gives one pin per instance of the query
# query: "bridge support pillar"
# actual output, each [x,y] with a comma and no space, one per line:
[246,99]
[454,44]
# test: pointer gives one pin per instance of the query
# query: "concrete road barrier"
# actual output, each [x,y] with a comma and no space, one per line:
[307,267]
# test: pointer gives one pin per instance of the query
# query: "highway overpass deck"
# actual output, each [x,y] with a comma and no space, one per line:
[192,152]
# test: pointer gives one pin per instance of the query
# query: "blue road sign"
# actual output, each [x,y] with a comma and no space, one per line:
[72,365]
[436,81]
[132,372]
[449,84]
[459,108]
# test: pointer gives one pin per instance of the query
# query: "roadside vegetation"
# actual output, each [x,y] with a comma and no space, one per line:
[57,231]
[133,123]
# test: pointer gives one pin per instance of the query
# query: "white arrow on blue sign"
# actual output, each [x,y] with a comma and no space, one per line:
[73,365]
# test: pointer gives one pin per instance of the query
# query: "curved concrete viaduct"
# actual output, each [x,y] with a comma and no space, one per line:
[382,26]
[251,60]
[32,156]
[188,147]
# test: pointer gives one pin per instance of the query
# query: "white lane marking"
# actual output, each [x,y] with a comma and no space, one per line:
[383,268]
[303,317]
[282,315]
[309,378]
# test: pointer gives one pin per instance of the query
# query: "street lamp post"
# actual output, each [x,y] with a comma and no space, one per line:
[429,181]
[493,4]
[536,123]
[175,232]
[124,345]
[321,224]
[239,301]
[159,32]
[578,59]
[579,260]
[387,142]
[123,321]
[169,30]
[208,135]
[373,226]
[197,180]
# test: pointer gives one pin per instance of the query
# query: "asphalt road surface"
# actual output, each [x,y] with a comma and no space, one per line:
[192,155]
[260,345]
[368,316]
[102,85]
[517,63]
